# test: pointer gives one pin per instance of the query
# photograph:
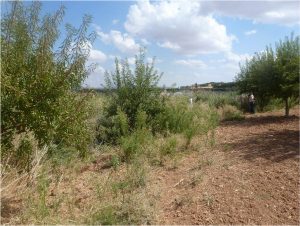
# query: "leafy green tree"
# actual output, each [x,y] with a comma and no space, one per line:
[39,79]
[287,62]
[273,75]
[257,76]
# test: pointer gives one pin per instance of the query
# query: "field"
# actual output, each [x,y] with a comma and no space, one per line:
[248,174]
[93,133]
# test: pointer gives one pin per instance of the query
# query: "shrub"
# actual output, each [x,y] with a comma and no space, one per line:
[133,93]
[106,216]
[174,118]
[179,117]
[218,100]
[229,113]
[111,129]
[169,147]
[133,144]
[21,152]
[39,81]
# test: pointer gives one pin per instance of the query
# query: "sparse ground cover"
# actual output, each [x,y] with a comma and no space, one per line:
[249,176]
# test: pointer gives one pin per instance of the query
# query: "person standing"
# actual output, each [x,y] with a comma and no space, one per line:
[251,103]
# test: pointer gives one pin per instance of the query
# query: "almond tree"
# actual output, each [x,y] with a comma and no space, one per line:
[273,75]
[287,62]
[39,77]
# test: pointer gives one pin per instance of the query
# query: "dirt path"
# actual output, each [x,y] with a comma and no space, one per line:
[250,177]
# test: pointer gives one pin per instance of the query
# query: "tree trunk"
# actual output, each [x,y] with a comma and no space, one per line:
[287,109]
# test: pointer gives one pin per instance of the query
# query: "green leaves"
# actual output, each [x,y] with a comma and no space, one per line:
[135,92]
[39,80]
[270,74]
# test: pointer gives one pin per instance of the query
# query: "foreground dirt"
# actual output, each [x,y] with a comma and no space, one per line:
[250,177]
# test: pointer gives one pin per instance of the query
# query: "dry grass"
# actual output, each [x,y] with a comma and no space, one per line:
[16,184]
[99,190]
[82,192]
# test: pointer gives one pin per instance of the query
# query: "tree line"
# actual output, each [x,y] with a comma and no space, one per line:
[273,73]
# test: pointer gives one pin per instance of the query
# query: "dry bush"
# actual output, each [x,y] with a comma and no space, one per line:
[229,113]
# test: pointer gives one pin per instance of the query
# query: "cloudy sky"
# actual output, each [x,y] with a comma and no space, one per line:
[193,41]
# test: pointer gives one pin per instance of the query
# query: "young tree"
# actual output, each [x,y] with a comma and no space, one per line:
[134,93]
[287,62]
[38,79]
[257,76]
[270,74]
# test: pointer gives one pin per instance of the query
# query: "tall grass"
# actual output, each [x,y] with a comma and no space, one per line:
[219,99]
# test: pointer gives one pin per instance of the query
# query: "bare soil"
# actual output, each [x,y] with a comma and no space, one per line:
[251,176]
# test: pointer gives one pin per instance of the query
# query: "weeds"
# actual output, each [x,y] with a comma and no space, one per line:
[169,147]
[196,179]
[204,162]
[229,113]
[133,144]
[42,210]
[218,100]
[115,161]
[208,199]
[227,147]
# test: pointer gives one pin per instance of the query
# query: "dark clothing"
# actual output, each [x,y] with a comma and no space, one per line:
[251,100]
[251,107]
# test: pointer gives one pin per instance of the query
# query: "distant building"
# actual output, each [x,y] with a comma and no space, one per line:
[197,87]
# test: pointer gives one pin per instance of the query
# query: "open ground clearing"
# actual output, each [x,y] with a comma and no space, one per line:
[250,177]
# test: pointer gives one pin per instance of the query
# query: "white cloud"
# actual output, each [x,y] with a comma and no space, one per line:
[236,58]
[145,41]
[191,63]
[123,42]
[170,45]
[177,25]
[228,65]
[115,21]
[95,79]
[113,57]
[251,32]
[156,60]
[97,56]
[131,60]
[274,12]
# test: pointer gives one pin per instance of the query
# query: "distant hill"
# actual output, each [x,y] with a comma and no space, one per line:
[213,86]
[221,85]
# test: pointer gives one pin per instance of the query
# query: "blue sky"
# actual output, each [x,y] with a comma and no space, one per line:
[193,41]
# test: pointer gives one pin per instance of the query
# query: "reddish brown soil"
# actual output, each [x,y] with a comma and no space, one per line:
[250,177]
